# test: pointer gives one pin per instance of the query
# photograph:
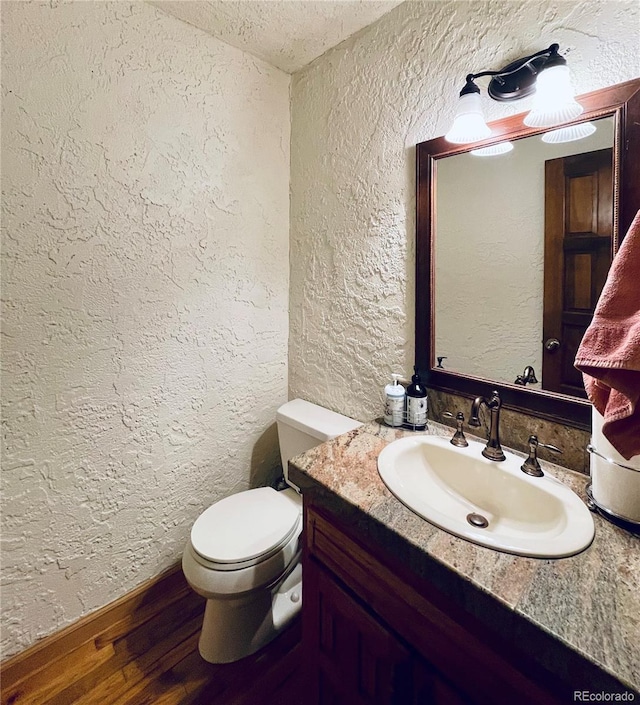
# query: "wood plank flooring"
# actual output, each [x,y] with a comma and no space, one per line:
[142,650]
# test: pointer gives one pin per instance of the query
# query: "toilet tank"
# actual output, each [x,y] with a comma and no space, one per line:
[303,425]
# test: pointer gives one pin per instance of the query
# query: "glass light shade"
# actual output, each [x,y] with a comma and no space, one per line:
[569,134]
[553,102]
[493,150]
[469,124]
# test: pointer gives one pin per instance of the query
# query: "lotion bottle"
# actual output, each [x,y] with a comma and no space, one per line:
[416,404]
[394,395]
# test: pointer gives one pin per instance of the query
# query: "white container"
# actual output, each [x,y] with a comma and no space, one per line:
[394,397]
[615,489]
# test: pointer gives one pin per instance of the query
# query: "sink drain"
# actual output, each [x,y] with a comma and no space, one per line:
[477,520]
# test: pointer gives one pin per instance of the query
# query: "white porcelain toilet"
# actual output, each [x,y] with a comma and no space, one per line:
[244,554]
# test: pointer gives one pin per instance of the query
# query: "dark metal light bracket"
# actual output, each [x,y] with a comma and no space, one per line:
[517,79]
[516,85]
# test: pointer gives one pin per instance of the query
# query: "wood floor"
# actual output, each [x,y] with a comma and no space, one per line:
[143,650]
[167,674]
[272,677]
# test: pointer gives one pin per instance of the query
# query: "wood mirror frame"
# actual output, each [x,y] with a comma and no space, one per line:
[621,101]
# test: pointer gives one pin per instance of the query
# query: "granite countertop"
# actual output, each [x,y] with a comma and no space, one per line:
[589,602]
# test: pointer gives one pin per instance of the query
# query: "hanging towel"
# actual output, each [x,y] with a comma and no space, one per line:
[609,354]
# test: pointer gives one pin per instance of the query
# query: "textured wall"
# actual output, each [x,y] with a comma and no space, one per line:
[145,288]
[357,113]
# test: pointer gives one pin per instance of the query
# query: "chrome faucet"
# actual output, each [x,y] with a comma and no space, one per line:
[493,449]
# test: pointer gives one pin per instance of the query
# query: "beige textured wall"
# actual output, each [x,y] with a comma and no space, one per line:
[357,113]
[145,175]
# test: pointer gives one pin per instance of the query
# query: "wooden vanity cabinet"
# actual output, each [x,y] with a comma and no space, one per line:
[358,660]
[373,635]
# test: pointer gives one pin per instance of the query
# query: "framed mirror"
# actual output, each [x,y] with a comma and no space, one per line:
[513,251]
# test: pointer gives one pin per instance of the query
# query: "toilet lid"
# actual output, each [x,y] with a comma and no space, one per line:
[249,525]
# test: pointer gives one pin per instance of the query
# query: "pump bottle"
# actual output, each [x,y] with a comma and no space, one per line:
[394,402]
[416,404]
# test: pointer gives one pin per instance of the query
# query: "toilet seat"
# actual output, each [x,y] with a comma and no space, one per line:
[246,529]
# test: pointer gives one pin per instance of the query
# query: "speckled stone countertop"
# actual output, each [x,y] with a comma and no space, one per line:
[589,602]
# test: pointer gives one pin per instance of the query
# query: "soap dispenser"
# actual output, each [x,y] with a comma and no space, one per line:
[416,404]
[394,402]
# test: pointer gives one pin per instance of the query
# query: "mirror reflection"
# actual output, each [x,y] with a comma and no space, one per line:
[522,246]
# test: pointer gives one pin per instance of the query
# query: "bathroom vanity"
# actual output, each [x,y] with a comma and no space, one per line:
[396,610]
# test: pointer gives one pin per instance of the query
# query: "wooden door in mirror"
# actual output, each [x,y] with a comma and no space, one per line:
[578,249]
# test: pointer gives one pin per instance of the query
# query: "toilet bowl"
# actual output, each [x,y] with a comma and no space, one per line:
[243,554]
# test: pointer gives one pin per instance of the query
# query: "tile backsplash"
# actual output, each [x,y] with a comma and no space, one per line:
[515,429]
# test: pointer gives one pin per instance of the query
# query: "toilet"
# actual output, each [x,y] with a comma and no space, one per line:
[244,551]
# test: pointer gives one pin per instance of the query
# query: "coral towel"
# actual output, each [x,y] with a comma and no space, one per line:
[609,354]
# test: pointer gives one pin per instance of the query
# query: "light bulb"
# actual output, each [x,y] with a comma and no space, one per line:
[469,124]
[553,102]
[569,134]
[493,150]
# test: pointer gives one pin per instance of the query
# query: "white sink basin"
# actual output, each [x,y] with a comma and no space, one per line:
[528,516]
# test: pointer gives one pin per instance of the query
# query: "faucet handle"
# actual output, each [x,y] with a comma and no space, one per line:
[531,466]
[458,437]
[548,446]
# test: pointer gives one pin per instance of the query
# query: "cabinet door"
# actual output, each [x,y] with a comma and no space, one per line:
[357,660]
[431,688]
[354,659]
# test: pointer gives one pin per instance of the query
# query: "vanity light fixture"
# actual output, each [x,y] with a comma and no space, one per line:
[546,73]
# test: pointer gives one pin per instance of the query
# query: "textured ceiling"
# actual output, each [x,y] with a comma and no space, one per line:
[286,33]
